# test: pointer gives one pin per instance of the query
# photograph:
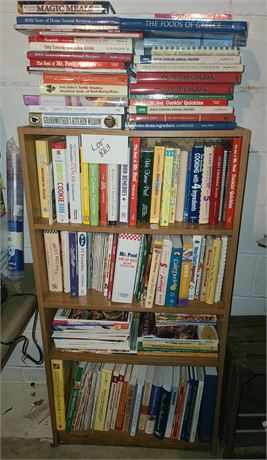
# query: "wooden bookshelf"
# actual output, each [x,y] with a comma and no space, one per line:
[48,303]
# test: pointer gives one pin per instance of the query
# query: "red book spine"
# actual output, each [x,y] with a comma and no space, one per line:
[103,194]
[64,63]
[134,180]
[178,410]
[232,187]
[120,416]
[216,184]
[39,39]
[179,102]
[78,78]
[80,56]
[189,77]
[112,266]
[182,117]
[183,88]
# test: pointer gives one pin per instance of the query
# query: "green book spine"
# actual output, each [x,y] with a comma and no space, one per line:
[74,397]
[94,193]
[145,185]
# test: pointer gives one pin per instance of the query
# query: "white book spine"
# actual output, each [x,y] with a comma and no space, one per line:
[174,395]
[206,185]
[125,267]
[197,240]
[124,193]
[73,174]
[191,59]
[164,67]
[179,213]
[200,267]
[64,236]
[82,266]
[74,120]
[100,47]
[51,204]
[168,109]
[186,50]
[219,283]
[163,271]
[77,109]
[113,193]
[60,181]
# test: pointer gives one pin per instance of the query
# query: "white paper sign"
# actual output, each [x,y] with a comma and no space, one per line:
[105,149]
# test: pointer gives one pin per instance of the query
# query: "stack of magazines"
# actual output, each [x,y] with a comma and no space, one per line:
[179,338]
[97,331]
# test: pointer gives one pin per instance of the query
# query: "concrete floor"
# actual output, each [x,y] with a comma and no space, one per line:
[26,432]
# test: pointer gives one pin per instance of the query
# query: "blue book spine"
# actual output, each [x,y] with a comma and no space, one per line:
[162,417]
[70,20]
[155,399]
[185,427]
[182,25]
[180,125]
[207,408]
[73,264]
[195,183]
[187,186]
[173,281]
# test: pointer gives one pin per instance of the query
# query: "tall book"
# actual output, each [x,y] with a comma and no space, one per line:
[111,397]
[207,408]
[200,266]
[130,398]
[157,183]
[154,270]
[164,267]
[155,399]
[135,158]
[85,190]
[174,184]
[179,212]
[197,239]
[221,271]
[200,377]
[65,255]
[146,397]
[173,281]
[103,191]
[216,184]
[195,182]
[185,269]
[187,187]
[137,399]
[124,193]
[233,180]
[53,261]
[74,395]
[166,186]
[125,267]
[164,407]
[102,397]
[60,181]
[94,193]
[43,153]
[117,396]
[206,184]
[73,250]
[113,194]
[73,175]
[60,381]
[206,268]
[226,155]
[82,266]
[213,271]
[174,396]
[124,391]
[145,185]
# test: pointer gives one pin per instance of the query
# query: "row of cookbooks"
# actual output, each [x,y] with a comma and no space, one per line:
[167,402]
[160,269]
[126,332]
[159,184]
[178,70]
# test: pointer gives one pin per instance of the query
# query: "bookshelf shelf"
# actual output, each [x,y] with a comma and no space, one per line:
[93,300]
[123,439]
[97,301]
[173,359]
[174,229]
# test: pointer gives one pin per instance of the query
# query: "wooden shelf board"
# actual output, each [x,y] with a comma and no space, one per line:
[119,438]
[164,359]
[178,228]
[35,131]
[96,301]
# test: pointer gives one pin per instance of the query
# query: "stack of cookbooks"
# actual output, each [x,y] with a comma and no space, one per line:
[184,71]
[97,331]
[81,54]
[194,337]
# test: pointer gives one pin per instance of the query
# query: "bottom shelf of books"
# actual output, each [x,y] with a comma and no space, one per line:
[131,404]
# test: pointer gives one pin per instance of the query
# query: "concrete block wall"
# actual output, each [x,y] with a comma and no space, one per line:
[250,102]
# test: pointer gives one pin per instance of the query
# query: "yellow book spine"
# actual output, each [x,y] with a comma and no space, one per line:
[102,400]
[214,269]
[43,158]
[85,190]
[166,187]
[58,391]
[157,184]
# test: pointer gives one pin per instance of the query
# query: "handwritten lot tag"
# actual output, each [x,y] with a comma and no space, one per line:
[105,149]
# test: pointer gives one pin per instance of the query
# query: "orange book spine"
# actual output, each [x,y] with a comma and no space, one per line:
[119,422]
[85,78]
